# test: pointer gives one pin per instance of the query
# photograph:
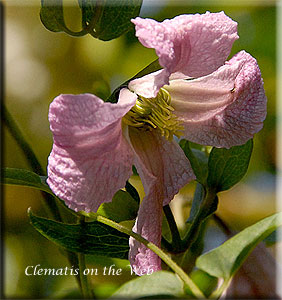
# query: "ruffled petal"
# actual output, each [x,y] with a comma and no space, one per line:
[149,85]
[225,108]
[163,169]
[89,149]
[194,45]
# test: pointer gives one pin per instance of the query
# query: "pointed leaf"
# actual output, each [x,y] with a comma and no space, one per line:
[52,16]
[24,177]
[228,166]
[105,20]
[132,191]
[273,238]
[204,281]
[196,204]
[162,283]
[123,207]
[198,160]
[90,10]
[88,238]
[114,18]
[226,259]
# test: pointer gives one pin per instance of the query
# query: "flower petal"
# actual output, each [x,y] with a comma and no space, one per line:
[163,169]
[89,149]
[195,45]
[225,108]
[149,85]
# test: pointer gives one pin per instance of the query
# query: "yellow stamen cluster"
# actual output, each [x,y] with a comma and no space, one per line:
[155,113]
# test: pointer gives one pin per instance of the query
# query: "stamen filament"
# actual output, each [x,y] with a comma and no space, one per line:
[155,113]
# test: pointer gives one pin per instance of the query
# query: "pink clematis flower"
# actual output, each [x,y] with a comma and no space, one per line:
[197,95]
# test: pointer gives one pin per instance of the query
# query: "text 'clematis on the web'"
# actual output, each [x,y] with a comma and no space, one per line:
[197,95]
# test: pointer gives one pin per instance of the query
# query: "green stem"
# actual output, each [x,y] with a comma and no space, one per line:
[218,292]
[189,257]
[84,282]
[175,236]
[223,225]
[207,207]
[185,278]
[85,290]
[18,136]
[49,202]
[167,245]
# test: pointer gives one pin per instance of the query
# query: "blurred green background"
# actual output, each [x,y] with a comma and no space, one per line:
[39,65]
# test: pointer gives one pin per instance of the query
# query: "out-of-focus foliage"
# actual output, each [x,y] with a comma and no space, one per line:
[40,64]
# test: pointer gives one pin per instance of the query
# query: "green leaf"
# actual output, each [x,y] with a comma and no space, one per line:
[204,281]
[159,283]
[52,15]
[90,10]
[198,160]
[88,238]
[152,67]
[132,191]
[228,166]
[226,259]
[114,17]
[273,238]
[104,20]
[123,207]
[24,177]
[196,204]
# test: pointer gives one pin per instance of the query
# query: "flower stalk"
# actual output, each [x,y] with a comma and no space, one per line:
[84,281]
[175,236]
[85,290]
[184,277]
[208,206]
[197,94]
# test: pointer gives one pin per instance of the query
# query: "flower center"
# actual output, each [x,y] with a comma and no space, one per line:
[155,113]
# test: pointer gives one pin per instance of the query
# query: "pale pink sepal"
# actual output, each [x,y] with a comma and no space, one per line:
[149,85]
[163,169]
[225,108]
[195,45]
[89,150]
